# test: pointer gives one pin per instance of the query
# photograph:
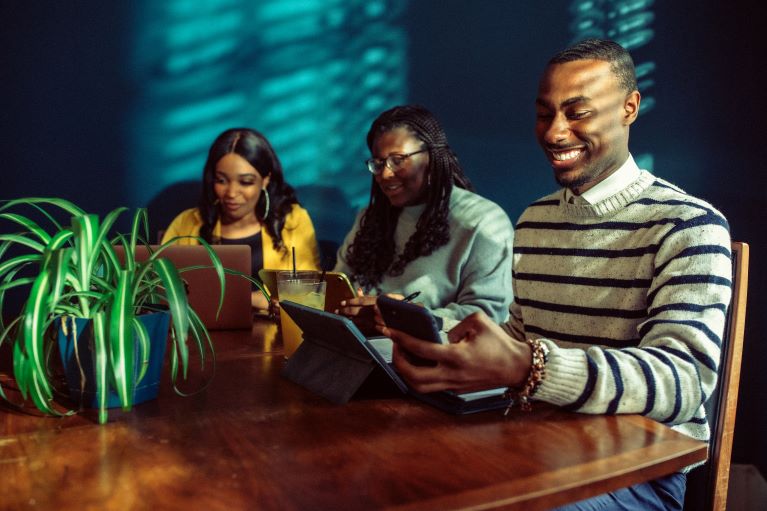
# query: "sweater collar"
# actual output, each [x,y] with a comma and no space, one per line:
[611,203]
[614,183]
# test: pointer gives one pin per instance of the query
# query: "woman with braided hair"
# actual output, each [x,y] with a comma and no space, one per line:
[246,201]
[424,230]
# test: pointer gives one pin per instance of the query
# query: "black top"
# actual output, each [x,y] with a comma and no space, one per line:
[256,253]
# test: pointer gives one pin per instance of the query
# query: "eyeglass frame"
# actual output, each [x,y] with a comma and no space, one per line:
[386,162]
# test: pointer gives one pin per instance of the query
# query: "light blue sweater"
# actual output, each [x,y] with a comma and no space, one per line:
[471,273]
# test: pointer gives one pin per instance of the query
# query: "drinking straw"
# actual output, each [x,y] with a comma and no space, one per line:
[294,262]
[322,279]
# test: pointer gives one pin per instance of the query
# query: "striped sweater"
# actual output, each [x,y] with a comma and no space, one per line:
[631,295]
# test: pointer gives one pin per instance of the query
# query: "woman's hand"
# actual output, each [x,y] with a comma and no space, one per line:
[362,310]
[258,301]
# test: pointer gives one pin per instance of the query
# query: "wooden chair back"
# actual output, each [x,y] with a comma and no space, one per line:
[707,485]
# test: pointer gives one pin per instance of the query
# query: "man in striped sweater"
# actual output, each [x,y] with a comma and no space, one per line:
[621,280]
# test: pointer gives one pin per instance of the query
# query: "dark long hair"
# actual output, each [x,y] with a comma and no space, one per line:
[371,254]
[257,151]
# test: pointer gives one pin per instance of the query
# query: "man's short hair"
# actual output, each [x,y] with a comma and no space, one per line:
[621,64]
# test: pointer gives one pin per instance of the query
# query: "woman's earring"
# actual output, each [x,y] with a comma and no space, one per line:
[265,192]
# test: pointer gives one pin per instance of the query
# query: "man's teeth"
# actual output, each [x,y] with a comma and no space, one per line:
[569,155]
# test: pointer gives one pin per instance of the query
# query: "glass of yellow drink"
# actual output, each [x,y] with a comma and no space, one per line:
[306,288]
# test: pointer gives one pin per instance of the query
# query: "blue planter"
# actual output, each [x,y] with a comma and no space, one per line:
[156,323]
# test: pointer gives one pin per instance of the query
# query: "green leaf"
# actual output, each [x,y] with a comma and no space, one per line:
[144,350]
[101,232]
[85,229]
[68,310]
[20,239]
[173,356]
[10,281]
[140,220]
[257,282]
[64,204]
[110,265]
[33,328]
[108,222]
[59,239]
[198,332]
[121,339]
[101,363]
[29,225]
[10,264]
[21,366]
[16,283]
[80,275]
[178,304]
[4,334]
[59,269]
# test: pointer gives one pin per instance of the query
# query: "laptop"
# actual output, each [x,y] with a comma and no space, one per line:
[335,359]
[203,286]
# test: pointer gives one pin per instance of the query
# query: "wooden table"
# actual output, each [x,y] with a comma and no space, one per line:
[254,440]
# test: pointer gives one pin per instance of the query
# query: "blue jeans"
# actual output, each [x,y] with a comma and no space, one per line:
[666,493]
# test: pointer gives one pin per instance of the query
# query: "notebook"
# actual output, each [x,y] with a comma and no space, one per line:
[335,359]
[203,284]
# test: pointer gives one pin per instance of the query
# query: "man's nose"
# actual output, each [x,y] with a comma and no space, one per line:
[557,130]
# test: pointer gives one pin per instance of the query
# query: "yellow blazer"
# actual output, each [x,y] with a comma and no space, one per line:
[298,232]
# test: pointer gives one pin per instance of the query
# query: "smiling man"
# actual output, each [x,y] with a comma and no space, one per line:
[621,280]
[583,114]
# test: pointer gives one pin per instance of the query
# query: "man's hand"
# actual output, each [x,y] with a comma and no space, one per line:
[480,356]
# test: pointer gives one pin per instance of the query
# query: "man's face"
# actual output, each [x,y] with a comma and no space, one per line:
[582,122]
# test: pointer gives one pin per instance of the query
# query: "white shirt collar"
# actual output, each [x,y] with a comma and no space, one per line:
[614,183]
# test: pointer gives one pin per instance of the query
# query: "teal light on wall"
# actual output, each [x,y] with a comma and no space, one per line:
[627,22]
[310,74]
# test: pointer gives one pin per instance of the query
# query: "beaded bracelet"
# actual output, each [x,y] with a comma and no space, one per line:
[537,373]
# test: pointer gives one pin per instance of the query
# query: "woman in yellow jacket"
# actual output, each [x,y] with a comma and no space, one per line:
[246,201]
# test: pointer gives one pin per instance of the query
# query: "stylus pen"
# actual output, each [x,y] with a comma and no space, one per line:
[411,296]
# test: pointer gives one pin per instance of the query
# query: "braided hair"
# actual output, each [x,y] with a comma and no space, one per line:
[256,150]
[371,254]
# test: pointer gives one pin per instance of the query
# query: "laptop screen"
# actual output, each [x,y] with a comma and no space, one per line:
[203,285]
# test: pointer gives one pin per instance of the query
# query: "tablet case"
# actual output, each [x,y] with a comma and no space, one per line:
[335,359]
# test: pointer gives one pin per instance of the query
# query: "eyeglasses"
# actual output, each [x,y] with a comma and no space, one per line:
[393,161]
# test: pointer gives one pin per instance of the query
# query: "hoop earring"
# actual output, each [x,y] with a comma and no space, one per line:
[265,193]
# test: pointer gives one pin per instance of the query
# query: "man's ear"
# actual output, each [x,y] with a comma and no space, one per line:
[631,107]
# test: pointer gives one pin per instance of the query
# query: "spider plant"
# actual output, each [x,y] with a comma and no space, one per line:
[73,271]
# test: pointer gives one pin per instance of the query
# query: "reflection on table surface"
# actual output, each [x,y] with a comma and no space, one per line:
[254,440]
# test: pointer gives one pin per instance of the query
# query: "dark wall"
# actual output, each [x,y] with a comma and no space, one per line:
[65,98]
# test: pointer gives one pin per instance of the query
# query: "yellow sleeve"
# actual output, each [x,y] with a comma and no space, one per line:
[299,233]
[187,223]
[304,237]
